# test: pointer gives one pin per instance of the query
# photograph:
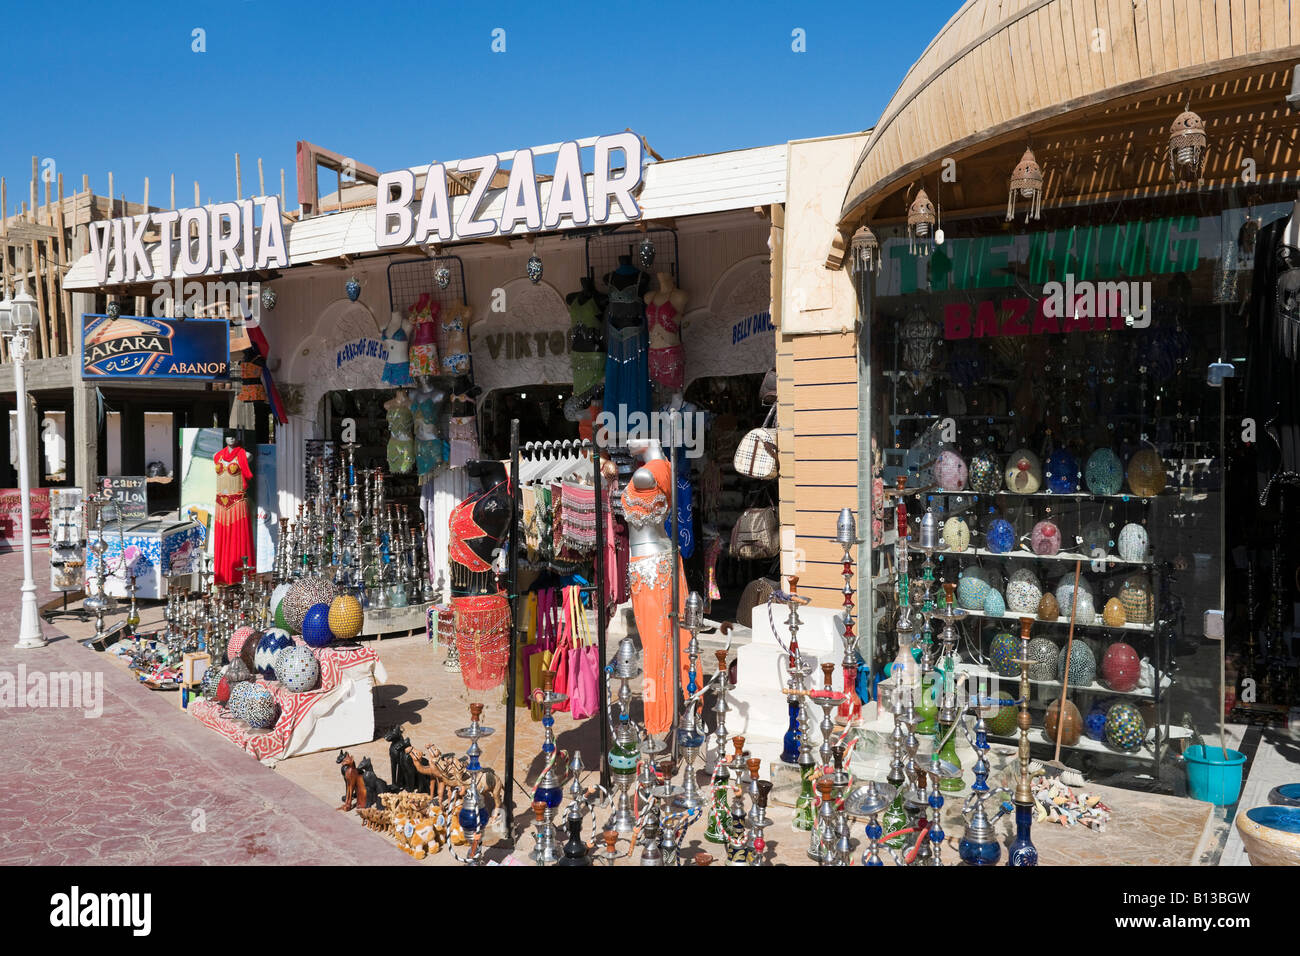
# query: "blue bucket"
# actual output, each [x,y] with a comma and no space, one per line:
[1212,778]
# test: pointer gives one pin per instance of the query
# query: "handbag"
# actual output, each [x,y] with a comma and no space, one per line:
[584,667]
[756,455]
[767,391]
[756,534]
[756,593]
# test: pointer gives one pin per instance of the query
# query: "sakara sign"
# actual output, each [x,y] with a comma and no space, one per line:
[138,347]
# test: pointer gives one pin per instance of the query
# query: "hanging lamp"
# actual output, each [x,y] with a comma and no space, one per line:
[864,251]
[1026,183]
[920,224]
[1187,146]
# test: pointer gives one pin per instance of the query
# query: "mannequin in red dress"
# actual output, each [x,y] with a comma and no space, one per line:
[234,536]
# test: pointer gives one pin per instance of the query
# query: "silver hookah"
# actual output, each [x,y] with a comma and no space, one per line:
[819,837]
[625,668]
[545,851]
[690,734]
[99,601]
[757,821]
[870,801]
[473,813]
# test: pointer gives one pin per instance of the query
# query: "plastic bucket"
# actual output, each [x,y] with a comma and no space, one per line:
[1212,778]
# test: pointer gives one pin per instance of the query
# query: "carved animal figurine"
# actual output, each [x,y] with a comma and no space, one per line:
[404,774]
[441,769]
[354,793]
[374,786]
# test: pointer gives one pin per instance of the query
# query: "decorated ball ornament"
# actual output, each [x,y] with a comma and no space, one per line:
[1003,723]
[533,269]
[950,471]
[984,473]
[1000,536]
[1070,725]
[443,277]
[1045,538]
[277,595]
[272,642]
[1042,659]
[113,310]
[994,604]
[1133,543]
[1121,668]
[209,682]
[304,593]
[973,586]
[1113,614]
[223,690]
[268,298]
[1061,472]
[1096,540]
[1104,473]
[1024,472]
[1125,728]
[1094,722]
[297,669]
[346,617]
[1023,591]
[1082,665]
[1085,610]
[352,289]
[1139,603]
[1048,609]
[238,672]
[255,706]
[1146,474]
[1004,650]
[316,625]
[645,253]
[236,642]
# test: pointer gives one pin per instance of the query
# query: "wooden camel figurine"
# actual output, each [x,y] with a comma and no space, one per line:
[442,770]
[354,792]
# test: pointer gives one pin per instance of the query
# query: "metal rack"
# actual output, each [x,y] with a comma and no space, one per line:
[603,252]
[408,279]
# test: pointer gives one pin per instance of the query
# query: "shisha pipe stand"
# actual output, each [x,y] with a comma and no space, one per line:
[473,814]
[549,786]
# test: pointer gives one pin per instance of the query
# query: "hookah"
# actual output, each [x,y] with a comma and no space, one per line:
[473,814]
[927,543]
[716,831]
[827,699]
[795,746]
[98,602]
[623,755]
[871,800]
[734,826]
[979,845]
[948,711]
[1022,851]
[575,851]
[757,820]
[690,736]
[651,853]
[545,851]
[846,535]
[895,818]
[549,785]
[133,615]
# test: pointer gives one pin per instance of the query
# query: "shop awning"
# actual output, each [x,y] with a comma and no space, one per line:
[716,182]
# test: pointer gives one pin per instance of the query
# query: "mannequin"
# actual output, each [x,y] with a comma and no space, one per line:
[427,404]
[401,446]
[1272,387]
[233,538]
[664,310]
[424,340]
[627,381]
[455,340]
[646,501]
[478,527]
[587,341]
[397,369]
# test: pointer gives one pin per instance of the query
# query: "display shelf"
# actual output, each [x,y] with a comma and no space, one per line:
[1030,556]
[1095,688]
[1125,496]
[1039,736]
[1016,616]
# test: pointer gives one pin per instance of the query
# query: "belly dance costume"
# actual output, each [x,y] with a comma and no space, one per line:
[482,621]
[587,352]
[428,445]
[397,369]
[401,447]
[234,537]
[667,365]
[627,380]
[650,585]
[463,436]
[424,340]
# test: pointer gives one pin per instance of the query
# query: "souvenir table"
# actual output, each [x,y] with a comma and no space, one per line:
[339,713]
[154,549]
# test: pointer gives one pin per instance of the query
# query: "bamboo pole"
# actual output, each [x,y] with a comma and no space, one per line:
[69,325]
[173,205]
[40,299]
[1065,681]
[261,179]
[112,201]
[239,180]
[282,189]
[51,273]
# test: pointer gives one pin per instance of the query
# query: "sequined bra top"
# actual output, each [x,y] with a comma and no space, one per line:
[644,506]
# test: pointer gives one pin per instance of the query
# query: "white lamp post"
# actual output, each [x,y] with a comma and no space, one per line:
[17,318]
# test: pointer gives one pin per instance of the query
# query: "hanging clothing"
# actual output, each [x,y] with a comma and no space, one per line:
[233,536]
[438,498]
[587,347]
[401,444]
[397,368]
[627,376]
[424,338]
[667,365]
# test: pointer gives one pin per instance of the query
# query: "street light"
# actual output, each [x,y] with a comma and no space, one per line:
[17,319]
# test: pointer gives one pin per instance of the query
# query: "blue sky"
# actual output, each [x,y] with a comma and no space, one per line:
[118,86]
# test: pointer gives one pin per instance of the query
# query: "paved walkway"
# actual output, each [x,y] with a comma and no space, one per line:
[143,782]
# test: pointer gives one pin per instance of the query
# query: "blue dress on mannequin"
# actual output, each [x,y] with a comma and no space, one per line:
[627,373]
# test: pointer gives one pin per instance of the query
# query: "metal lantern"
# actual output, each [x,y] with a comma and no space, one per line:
[921,338]
[864,251]
[268,299]
[1187,147]
[442,277]
[534,268]
[1027,183]
[113,309]
[353,289]
[646,252]
[921,218]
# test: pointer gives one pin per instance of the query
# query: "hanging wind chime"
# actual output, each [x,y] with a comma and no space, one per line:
[1187,147]
[921,218]
[864,252]
[1026,183]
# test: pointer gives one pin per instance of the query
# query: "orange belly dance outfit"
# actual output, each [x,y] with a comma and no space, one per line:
[667,365]
[649,580]
[482,621]
[233,536]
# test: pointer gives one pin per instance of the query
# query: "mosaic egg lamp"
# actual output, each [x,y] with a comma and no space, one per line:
[1004,650]
[1146,474]
[238,695]
[1125,728]
[1045,538]
[1048,609]
[236,642]
[1094,722]
[950,471]
[316,625]
[1082,668]
[277,595]
[248,653]
[1086,612]
[1024,472]
[1073,722]
[1132,543]
[1113,614]
[956,534]
[1139,603]
[1023,591]
[273,642]
[304,593]
[1096,540]
[297,669]
[973,586]
[258,709]
[1042,658]
[1061,472]
[1121,668]
[209,683]
[223,690]
[1104,473]
[346,617]
[985,473]
[1000,536]
[1003,723]
[994,604]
